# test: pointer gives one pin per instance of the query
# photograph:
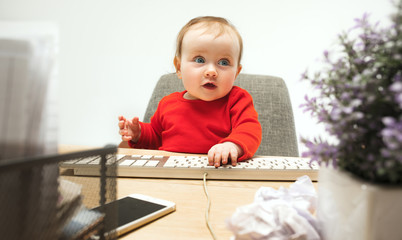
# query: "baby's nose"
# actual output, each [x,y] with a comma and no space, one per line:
[211,72]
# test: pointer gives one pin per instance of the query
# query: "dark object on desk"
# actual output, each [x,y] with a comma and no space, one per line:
[136,210]
[271,100]
[34,208]
[83,225]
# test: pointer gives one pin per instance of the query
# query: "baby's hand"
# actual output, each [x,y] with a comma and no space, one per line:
[129,130]
[222,152]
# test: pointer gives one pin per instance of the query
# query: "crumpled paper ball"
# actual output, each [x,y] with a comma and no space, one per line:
[278,214]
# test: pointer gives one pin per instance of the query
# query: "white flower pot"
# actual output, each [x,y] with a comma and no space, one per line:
[349,208]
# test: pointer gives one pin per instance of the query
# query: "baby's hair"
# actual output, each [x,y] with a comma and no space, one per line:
[208,21]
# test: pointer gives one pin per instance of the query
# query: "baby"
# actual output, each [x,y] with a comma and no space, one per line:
[211,116]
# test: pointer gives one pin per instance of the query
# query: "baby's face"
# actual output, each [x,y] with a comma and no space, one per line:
[209,64]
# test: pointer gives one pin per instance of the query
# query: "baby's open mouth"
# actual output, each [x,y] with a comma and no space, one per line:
[209,86]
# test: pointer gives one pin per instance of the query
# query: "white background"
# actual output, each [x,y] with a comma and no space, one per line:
[113,52]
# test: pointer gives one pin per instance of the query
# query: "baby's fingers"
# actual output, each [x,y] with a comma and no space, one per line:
[215,155]
[211,156]
[233,156]
[225,156]
[126,138]
[122,122]
[134,125]
[123,132]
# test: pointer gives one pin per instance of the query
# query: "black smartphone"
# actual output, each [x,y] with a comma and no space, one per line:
[136,210]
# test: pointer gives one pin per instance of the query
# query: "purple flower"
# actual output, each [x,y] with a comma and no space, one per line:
[360,102]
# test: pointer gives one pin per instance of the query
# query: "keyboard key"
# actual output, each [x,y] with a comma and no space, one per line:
[291,166]
[152,163]
[139,163]
[72,161]
[170,163]
[208,166]
[96,161]
[127,162]
[314,165]
[277,165]
[238,166]
[86,160]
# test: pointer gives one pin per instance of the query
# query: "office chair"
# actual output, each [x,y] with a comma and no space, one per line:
[271,100]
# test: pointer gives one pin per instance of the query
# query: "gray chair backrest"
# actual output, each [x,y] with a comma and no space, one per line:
[271,100]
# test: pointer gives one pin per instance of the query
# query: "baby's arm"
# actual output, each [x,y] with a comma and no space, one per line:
[129,130]
[221,152]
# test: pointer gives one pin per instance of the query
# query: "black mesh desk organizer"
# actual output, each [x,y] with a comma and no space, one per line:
[37,201]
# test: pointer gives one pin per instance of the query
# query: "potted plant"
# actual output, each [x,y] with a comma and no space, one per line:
[359,101]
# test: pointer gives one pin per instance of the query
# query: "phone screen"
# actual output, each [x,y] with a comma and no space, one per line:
[131,209]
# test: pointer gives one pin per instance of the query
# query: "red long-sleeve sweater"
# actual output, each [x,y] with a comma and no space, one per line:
[194,126]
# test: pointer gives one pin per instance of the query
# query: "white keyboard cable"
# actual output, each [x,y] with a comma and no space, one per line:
[208,207]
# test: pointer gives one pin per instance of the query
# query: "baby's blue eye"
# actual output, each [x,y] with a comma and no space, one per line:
[199,60]
[224,62]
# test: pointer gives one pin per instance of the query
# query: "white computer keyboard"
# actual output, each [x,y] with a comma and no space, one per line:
[194,167]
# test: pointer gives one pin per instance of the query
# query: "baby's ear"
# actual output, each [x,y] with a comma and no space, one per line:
[238,69]
[176,62]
